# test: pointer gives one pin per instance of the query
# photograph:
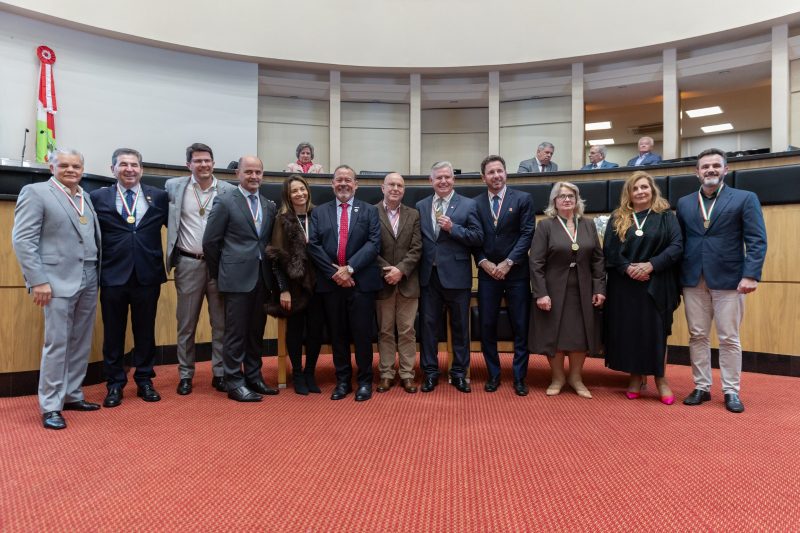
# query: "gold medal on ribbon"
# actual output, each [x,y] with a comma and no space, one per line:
[706,223]
[573,237]
[202,211]
[83,220]
[575,247]
[707,214]
[638,233]
[131,219]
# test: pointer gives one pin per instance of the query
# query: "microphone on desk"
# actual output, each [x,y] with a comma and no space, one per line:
[24,145]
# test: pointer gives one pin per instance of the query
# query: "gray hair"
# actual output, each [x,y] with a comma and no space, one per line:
[52,157]
[302,145]
[441,164]
[124,151]
[545,144]
[600,148]
[580,204]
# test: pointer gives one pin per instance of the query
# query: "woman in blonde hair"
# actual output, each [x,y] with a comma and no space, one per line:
[643,248]
[568,282]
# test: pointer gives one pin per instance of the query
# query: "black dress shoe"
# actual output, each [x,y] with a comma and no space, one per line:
[53,420]
[81,405]
[147,393]
[218,382]
[363,393]
[429,383]
[697,397]
[492,384]
[261,388]
[243,394]
[113,398]
[520,389]
[733,403]
[461,384]
[311,383]
[342,389]
[184,387]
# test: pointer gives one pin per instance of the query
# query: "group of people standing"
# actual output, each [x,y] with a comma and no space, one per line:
[350,265]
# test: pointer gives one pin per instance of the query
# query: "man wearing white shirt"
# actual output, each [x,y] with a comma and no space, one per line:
[597,158]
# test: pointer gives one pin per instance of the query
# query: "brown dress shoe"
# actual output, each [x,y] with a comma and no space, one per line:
[385,385]
[409,386]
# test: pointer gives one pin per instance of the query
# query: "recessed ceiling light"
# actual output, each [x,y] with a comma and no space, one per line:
[592,126]
[704,111]
[717,127]
[592,142]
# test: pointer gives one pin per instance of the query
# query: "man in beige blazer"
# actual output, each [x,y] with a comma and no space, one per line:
[401,250]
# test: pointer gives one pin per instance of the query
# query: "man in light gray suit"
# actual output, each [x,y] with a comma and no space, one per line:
[190,202]
[56,237]
[543,162]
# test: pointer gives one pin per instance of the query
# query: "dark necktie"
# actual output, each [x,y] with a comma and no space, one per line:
[341,254]
[254,210]
[496,206]
[129,200]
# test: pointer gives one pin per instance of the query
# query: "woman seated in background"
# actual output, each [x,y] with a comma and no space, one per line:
[643,248]
[296,299]
[304,163]
[568,281]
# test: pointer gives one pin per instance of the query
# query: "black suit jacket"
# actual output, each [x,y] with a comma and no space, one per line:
[129,248]
[511,238]
[363,245]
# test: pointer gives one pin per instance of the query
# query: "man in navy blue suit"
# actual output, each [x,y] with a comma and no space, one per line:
[131,216]
[597,158]
[344,243]
[450,229]
[646,155]
[725,242]
[507,220]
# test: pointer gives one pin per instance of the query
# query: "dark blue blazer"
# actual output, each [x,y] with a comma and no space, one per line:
[129,248]
[451,251]
[511,238]
[603,164]
[363,245]
[732,248]
[649,159]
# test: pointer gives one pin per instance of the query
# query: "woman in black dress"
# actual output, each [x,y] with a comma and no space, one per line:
[643,248]
[294,271]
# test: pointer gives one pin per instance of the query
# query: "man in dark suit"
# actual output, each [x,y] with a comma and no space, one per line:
[401,249]
[646,155]
[56,238]
[450,229]
[236,237]
[131,216]
[597,158]
[507,219]
[543,162]
[725,242]
[344,243]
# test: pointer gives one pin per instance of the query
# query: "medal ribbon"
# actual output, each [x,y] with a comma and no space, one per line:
[573,238]
[636,221]
[79,210]
[128,209]
[202,205]
[707,215]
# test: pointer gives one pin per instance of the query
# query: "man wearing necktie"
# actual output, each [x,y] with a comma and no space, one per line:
[131,215]
[543,162]
[237,234]
[507,218]
[344,242]
[597,158]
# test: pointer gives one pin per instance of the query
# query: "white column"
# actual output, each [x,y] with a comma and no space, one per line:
[671,109]
[578,119]
[780,88]
[415,124]
[494,112]
[335,119]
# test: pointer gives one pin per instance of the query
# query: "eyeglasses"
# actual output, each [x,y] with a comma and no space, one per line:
[563,197]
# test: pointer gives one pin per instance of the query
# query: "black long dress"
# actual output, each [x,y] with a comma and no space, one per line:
[638,314]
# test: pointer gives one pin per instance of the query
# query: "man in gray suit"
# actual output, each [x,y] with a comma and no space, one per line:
[543,162]
[190,202]
[236,237]
[56,237]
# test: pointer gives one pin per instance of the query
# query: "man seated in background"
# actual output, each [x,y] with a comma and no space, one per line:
[543,162]
[646,155]
[597,158]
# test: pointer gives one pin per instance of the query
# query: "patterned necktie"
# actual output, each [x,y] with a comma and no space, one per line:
[438,210]
[496,206]
[130,201]
[341,253]
[254,210]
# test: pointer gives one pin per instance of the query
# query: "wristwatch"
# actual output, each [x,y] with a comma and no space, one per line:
[510,262]
[350,269]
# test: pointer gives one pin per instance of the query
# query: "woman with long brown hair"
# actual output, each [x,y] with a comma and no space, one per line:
[643,248]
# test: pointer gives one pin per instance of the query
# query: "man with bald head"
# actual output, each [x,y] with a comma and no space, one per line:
[237,233]
[646,155]
[397,301]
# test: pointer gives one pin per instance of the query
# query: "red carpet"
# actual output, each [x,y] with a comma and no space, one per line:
[444,461]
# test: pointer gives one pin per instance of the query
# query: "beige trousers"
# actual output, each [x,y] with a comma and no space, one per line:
[399,311]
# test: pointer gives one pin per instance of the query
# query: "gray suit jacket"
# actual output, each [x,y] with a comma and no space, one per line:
[531,166]
[176,188]
[47,238]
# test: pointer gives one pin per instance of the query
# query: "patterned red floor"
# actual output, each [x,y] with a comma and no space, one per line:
[444,461]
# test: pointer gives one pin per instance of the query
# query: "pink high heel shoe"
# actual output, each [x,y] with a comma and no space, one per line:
[668,400]
[632,395]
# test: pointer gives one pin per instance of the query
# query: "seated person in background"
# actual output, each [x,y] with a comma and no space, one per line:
[542,162]
[597,158]
[646,155]
[305,163]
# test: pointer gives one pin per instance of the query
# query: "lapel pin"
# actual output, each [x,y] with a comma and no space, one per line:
[355,209]
[510,209]
[148,199]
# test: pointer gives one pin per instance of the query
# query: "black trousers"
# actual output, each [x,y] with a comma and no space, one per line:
[351,318]
[433,300]
[245,319]
[305,327]
[142,300]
